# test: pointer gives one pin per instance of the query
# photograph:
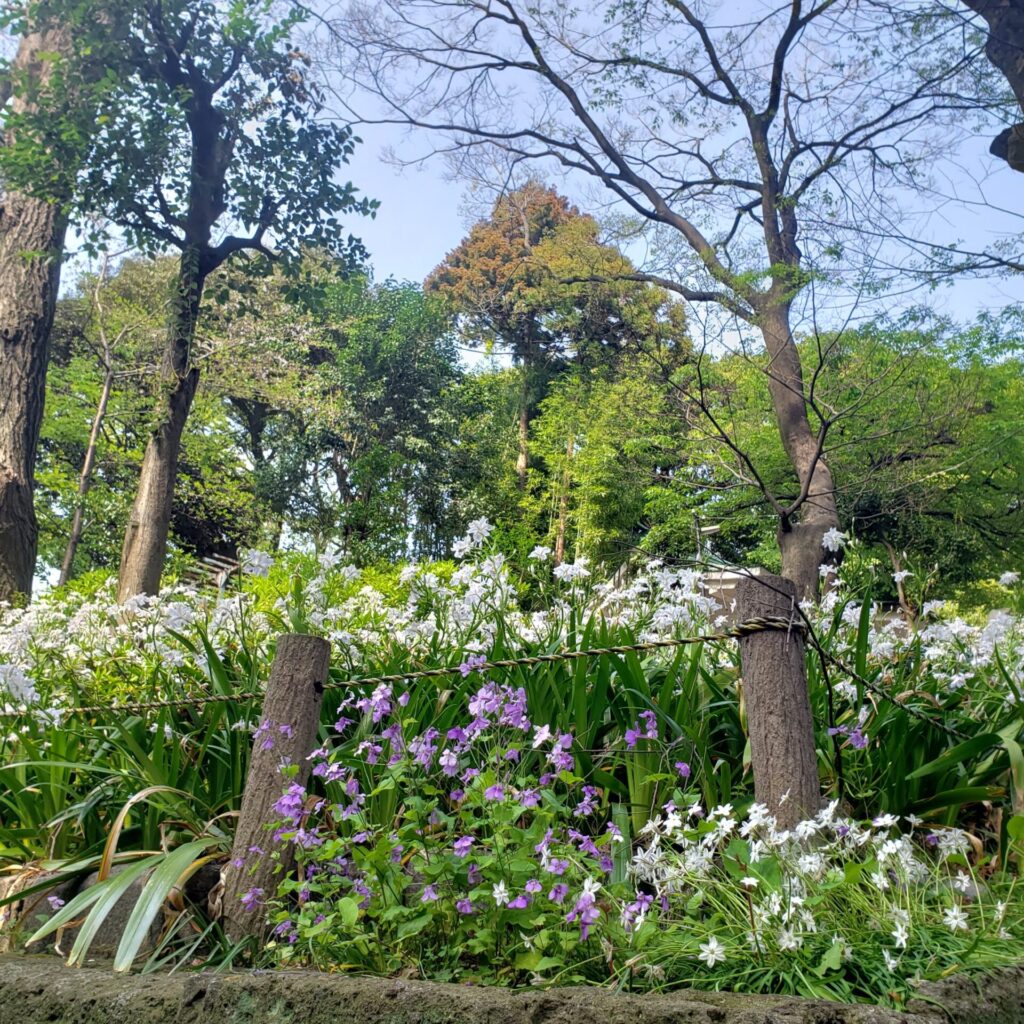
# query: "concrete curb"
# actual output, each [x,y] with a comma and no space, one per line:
[34,989]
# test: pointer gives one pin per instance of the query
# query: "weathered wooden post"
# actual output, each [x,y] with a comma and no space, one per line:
[779,716]
[287,733]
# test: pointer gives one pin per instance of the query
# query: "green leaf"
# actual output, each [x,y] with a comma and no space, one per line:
[414,927]
[347,910]
[176,866]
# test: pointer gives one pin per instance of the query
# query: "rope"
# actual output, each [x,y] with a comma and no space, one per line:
[743,629]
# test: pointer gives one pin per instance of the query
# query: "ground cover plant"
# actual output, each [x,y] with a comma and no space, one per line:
[581,820]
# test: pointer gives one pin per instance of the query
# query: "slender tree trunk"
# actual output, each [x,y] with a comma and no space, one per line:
[145,541]
[523,456]
[563,502]
[31,248]
[799,539]
[85,478]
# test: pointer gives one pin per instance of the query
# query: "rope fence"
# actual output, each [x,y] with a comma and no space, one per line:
[742,629]
[747,628]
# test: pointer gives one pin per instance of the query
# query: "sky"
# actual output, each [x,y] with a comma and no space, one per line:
[422,216]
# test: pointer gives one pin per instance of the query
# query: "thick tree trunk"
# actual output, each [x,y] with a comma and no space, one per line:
[799,539]
[1005,49]
[145,540]
[85,479]
[780,723]
[31,248]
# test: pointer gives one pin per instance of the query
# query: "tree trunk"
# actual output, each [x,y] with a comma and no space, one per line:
[145,540]
[799,539]
[563,502]
[523,457]
[1005,49]
[779,718]
[31,248]
[85,479]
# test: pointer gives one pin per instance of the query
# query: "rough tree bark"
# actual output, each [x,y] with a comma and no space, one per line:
[288,730]
[31,248]
[779,719]
[800,540]
[145,540]
[1005,49]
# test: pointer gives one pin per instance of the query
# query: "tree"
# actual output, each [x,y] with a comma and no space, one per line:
[534,278]
[338,399]
[931,465]
[1005,49]
[216,506]
[218,124]
[760,154]
[48,103]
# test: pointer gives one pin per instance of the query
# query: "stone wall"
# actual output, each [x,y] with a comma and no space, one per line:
[38,989]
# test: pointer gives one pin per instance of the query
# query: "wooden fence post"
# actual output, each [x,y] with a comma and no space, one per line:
[287,731]
[779,720]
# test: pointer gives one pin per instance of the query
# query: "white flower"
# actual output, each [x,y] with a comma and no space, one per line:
[900,935]
[749,882]
[712,951]
[591,887]
[902,575]
[891,962]
[478,531]
[955,919]
[541,734]
[256,563]
[833,540]
[1008,579]
[540,553]
[500,894]
[885,821]
[570,573]
[788,939]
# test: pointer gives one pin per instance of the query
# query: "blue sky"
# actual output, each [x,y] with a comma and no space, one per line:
[422,216]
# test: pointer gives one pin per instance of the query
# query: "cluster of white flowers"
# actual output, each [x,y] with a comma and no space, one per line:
[685,852]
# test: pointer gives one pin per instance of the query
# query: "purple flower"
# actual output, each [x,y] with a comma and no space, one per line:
[589,802]
[533,886]
[252,898]
[404,699]
[558,892]
[495,792]
[472,664]
[683,769]
[462,846]
[858,740]
[521,902]
[429,894]
[473,874]
[448,762]
[607,864]
[529,798]
[290,804]
[457,795]
[586,913]
[464,906]
[55,902]
[555,866]
[342,724]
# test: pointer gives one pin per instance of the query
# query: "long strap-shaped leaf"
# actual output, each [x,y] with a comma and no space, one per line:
[96,894]
[175,869]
